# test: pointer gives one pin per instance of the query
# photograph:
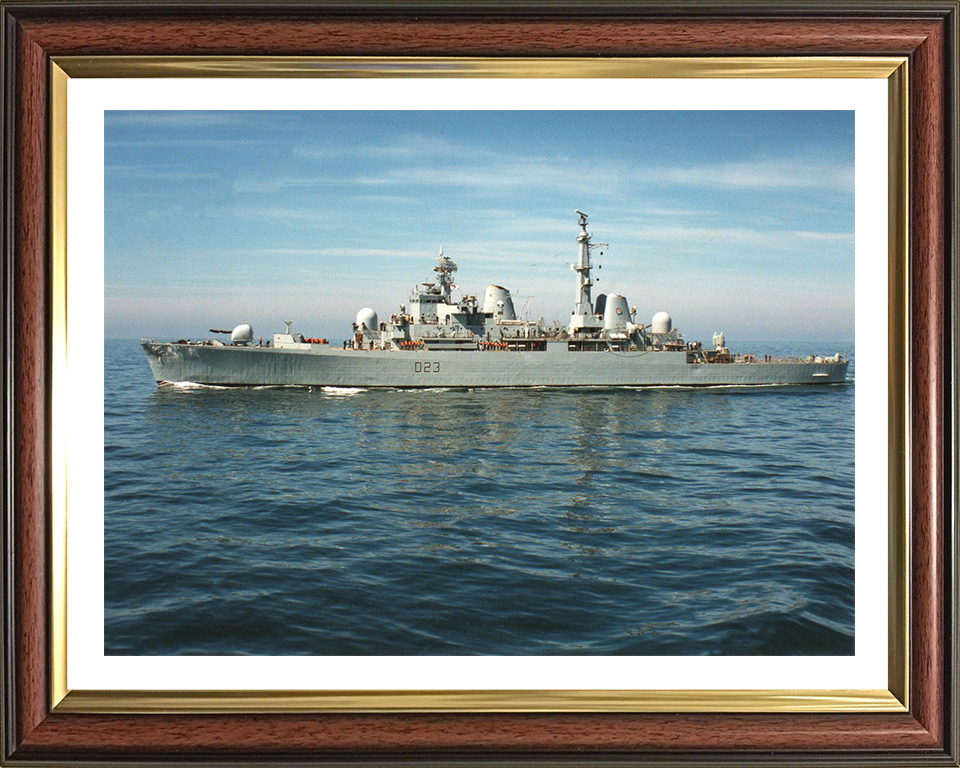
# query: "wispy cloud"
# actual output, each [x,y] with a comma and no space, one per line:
[408,147]
[427,160]
[780,174]
[503,174]
[737,235]
[423,160]
[517,172]
[351,253]
[276,185]
[646,211]
[475,166]
[220,143]
[178,119]
[157,173]
[267,212]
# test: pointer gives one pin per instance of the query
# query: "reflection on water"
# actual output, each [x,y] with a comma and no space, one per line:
[321,521]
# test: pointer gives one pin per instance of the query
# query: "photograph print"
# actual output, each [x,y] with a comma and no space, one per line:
[511,383]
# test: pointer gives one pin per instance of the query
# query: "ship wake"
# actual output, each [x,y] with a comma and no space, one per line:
[342,391]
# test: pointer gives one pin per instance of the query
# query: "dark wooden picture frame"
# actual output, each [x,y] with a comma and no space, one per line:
[924,32]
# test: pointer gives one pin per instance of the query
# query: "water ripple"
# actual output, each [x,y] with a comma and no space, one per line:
[292,520]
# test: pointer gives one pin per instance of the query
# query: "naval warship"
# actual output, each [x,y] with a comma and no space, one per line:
[438,341]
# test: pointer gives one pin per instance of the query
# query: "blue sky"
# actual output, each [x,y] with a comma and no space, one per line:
[741,222]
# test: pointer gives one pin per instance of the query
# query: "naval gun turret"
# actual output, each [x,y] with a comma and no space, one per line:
[240,336]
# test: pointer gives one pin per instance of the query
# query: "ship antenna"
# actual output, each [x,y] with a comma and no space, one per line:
[583,309]
[445,269]
[583,306]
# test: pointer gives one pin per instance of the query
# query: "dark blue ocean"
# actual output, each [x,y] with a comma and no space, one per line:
[285,521]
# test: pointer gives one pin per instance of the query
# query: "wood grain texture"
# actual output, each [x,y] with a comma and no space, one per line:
[928,414]
[471,37]
[31,497]
[299,735]
[42,737]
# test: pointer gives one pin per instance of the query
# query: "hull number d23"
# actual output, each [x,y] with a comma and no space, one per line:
[426,367]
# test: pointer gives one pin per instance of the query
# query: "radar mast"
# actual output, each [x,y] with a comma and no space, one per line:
[445,269]
[583,316]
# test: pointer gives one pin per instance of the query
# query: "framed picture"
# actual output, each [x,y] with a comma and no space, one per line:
[111,681]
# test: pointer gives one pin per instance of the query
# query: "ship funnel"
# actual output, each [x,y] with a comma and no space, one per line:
[242,334]
[600,304]
[497,302]
[616,313]
[661,323]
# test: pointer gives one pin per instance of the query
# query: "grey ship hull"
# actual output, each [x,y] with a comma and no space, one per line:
[555,367]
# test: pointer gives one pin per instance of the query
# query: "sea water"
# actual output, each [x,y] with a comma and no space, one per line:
[297,520]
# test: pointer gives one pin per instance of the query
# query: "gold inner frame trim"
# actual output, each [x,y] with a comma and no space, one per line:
[898,414]
[893,69]
[420,66]
[729,701]
[59,401]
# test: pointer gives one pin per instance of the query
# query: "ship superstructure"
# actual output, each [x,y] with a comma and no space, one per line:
[436,340]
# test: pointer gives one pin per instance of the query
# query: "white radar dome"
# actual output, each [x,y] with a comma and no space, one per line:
[367,317]
[661,323]
[243,332]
